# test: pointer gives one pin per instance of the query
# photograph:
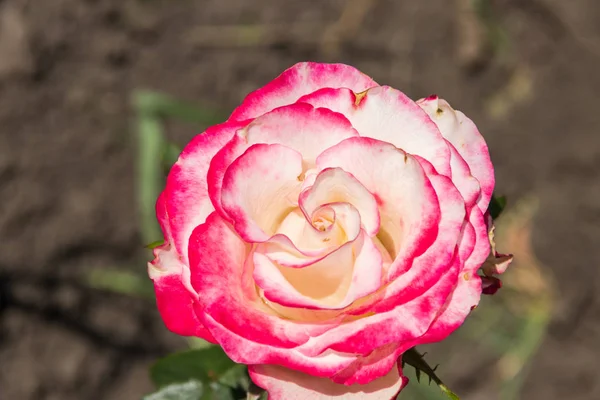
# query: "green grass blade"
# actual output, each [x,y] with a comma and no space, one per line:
[150,179]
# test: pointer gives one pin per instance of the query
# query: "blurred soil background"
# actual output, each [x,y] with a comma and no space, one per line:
[527,71]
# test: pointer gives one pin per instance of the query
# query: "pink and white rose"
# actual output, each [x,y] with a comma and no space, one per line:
[327,227]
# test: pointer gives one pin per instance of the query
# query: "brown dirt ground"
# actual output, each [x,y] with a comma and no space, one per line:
[67,70]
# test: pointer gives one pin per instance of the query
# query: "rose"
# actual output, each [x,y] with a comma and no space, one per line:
[327,227]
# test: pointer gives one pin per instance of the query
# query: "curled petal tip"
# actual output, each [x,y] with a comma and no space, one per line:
[490,285]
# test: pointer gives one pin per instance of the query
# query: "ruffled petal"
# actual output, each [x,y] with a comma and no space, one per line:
[349,273]
[186,199]
[404,309]
[496,263]
[465,137]
[334,185]
[401,324]
[175,296]
[264,174]
[474,247]
[365,369]
[247,329]
[421,272]
[386,114]
[408,206]
[295,82]
[175,302]
[301,127]
[285,384]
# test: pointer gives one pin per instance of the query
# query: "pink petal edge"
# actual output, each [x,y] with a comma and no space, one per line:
[297,81]
[285,384]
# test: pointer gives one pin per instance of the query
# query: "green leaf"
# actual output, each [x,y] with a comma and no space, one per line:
[497,205]
[255,392]
[190,390]
[416,360]
[217,391]
[237,376]
[206,365]
[154,244]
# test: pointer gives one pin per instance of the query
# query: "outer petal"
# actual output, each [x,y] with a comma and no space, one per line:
[248,330]
[285,384]
[467,184]
[174,295]
[377,364]
[186,193]
[176,306]
[490,285]
[463,134]
[295,82]
[496,263]
[467,293]
[386,114]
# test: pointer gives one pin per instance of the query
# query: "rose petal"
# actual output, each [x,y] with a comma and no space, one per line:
[463,134]
[386,114]
[407,202]
[298,243]
[468,289]
[186,193]
[421,272]
[328,227]
[365,369]
[342,276]
[334,185]
[174,293]
[285,384]
[264,174]
[300,127]
[408,305]
[402,324]
[248,330]
[496,263]
[467,184]
[218,167]
[490,285]
[176,307]
[295,82]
